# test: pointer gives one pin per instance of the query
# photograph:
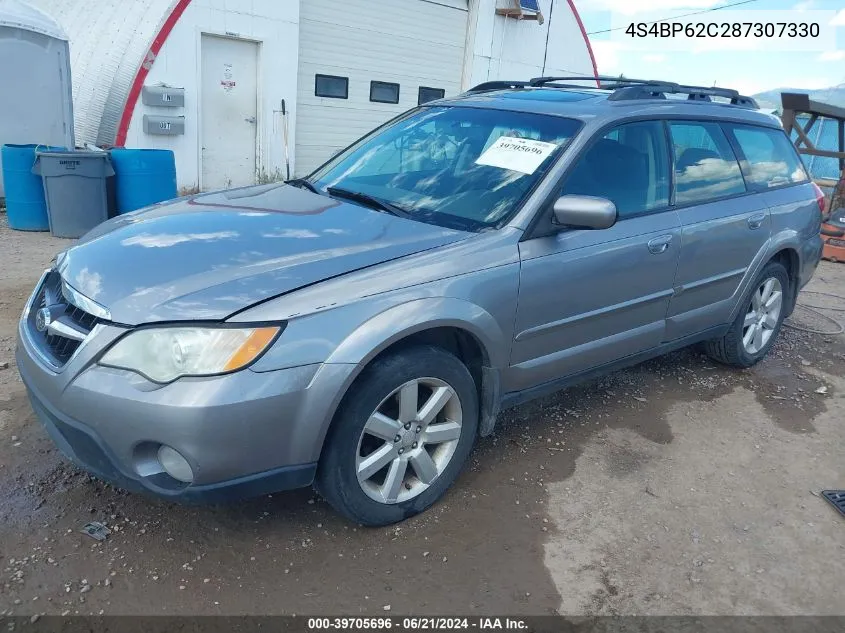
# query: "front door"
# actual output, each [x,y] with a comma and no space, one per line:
[229,112]
[589,297]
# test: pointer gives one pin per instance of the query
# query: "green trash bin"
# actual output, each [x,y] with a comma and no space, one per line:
[76,189]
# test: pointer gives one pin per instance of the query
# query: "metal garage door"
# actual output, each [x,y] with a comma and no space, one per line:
[412,43]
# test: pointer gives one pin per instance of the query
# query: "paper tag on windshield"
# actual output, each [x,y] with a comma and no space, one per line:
[519,154]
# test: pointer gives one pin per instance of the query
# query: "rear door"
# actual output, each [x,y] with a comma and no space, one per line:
[772,167]
[726,227]
[589,297]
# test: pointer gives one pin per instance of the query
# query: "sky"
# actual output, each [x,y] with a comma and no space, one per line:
[750,71]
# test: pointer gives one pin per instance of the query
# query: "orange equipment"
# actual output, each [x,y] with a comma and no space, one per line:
[833,225]
[801,130]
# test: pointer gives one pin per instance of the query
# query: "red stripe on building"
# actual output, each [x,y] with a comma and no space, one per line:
[586,40]
[144,70]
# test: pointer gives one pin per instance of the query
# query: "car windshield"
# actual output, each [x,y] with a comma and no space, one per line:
[465,168]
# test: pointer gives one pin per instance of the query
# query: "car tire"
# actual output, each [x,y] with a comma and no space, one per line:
[756,327]
[375,406]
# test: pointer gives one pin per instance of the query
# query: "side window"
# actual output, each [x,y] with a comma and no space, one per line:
[770,158]
[705,165]
[629,165]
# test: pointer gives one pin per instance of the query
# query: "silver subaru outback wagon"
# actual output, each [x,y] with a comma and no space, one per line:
[358,329]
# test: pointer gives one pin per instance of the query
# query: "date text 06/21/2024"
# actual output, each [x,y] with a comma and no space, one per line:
[418,624]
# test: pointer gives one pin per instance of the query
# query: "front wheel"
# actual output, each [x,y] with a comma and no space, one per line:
[401,436]
[758,324]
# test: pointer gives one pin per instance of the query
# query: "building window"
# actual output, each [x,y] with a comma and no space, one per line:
[331,87]
[430,94]
[383,92]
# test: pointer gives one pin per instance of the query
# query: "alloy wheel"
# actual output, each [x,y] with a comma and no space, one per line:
[763,315]
[409,440]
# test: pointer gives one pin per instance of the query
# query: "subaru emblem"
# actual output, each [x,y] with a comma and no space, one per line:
[43,319]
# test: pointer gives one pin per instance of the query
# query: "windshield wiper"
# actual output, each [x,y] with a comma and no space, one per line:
[302,183]
[368,200]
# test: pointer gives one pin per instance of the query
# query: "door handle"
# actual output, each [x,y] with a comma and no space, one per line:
[251,119]
[756,221]
[659,244]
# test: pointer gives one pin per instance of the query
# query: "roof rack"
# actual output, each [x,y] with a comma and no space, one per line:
[625,89]
[499,85]
[600,79]
[659,90]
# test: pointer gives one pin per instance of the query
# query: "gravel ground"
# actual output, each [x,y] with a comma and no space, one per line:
[675,487]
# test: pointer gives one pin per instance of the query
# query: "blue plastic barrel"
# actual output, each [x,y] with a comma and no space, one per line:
[143,177]
[26,208]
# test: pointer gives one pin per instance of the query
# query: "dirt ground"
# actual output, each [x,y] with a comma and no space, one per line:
[675,487]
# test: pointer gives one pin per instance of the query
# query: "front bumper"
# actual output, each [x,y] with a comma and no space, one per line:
[243,434]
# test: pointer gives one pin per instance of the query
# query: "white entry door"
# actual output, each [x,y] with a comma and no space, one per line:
[229,112]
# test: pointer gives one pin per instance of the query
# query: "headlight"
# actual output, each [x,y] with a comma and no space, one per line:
[165,354]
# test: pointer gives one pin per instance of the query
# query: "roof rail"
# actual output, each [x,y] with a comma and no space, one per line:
[542,81]
[659,90]
[625,89]
[499,85]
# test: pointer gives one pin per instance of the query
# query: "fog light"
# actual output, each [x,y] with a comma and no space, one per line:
[175,465]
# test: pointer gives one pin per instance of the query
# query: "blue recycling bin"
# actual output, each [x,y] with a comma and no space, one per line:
[26,206]
[143,177]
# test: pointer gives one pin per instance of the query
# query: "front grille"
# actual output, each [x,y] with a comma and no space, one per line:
[57,348]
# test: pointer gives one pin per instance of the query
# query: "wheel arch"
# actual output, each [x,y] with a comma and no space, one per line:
[456,325]
[791,260]
[783,248]
[387,328]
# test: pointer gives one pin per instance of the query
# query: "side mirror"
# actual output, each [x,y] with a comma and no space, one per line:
[585,212]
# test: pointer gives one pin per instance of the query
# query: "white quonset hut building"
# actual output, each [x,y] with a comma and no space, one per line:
[206,78]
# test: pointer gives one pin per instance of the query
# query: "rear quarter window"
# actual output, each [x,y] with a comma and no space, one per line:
[768,158]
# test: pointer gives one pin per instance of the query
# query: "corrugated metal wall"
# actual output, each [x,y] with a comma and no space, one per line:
[412,43]
[108,42]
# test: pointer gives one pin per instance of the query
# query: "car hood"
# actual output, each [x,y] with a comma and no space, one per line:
[210,256]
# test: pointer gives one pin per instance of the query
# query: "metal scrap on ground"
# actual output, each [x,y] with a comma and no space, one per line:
[836,498]
[96,531]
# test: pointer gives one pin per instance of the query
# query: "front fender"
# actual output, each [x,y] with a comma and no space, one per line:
[380,332]
[335,376]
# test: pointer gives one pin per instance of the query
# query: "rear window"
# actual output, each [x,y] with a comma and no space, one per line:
[769,159]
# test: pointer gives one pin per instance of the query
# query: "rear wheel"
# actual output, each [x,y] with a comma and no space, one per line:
[755,329]
[401,436]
